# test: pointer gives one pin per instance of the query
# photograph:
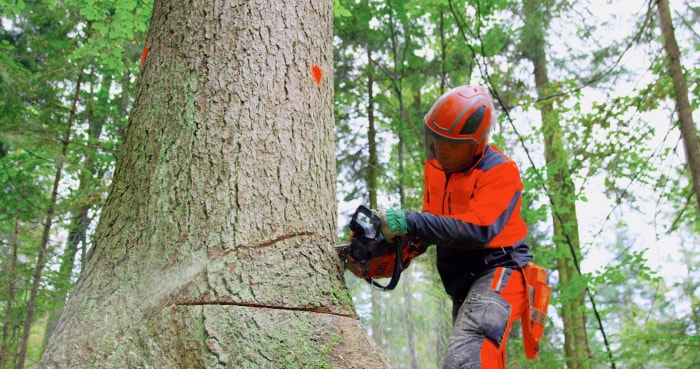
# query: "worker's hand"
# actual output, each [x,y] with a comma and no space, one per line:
[393,223]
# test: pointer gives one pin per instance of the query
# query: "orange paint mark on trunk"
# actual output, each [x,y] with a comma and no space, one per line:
[317,74]
[144,55]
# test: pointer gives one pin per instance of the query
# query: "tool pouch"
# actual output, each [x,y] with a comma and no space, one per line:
[534,318]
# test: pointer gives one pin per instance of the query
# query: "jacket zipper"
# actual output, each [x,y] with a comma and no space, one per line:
[447,195]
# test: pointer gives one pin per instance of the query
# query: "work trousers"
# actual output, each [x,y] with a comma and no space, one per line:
[481,323]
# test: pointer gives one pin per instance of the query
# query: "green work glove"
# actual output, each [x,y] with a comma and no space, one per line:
[393,223]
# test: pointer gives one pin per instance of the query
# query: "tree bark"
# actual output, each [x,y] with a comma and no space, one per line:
[689,133]
[373,166]
[9,296]
[214,246]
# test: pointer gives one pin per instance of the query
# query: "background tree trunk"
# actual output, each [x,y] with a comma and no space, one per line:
[372,188]
[685,113]
[46,231]
[80,220]
[213,249]
[10,286]
[561,191]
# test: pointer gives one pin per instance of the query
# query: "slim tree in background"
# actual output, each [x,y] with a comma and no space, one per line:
[560,186]
[689,133]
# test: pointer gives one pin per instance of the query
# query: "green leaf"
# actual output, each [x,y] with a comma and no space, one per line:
[339,10]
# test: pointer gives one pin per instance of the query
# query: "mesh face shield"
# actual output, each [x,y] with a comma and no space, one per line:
[449,154]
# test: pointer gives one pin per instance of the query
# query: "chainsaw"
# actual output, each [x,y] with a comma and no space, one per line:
[368,255]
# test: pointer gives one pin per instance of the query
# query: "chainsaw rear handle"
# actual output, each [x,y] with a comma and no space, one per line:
[367,224]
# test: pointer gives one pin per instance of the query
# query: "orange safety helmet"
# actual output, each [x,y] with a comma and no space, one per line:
[462,114]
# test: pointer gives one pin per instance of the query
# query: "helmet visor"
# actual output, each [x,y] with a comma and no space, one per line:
[449,154]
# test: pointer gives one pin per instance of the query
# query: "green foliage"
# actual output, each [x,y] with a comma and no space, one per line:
[494,41]
[339,10]
[11,7]
[606,138]
[45,49]
[419,48]
[616,275]
[639,309]
[113,28]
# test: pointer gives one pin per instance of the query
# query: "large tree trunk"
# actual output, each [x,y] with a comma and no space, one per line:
[213,249]
[561,191]
[685,114]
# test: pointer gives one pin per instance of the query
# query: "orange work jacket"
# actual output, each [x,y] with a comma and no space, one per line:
[473,216]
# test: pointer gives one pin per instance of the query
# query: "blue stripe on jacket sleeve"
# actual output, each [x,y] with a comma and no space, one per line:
[452,232]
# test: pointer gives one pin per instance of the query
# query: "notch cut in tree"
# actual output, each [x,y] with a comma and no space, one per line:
[213,248]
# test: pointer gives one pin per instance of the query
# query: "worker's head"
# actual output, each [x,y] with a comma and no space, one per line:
[457,127]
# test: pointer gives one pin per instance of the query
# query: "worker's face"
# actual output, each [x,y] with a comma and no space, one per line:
[454,156]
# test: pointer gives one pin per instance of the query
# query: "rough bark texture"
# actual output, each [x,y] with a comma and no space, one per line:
[213,249]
